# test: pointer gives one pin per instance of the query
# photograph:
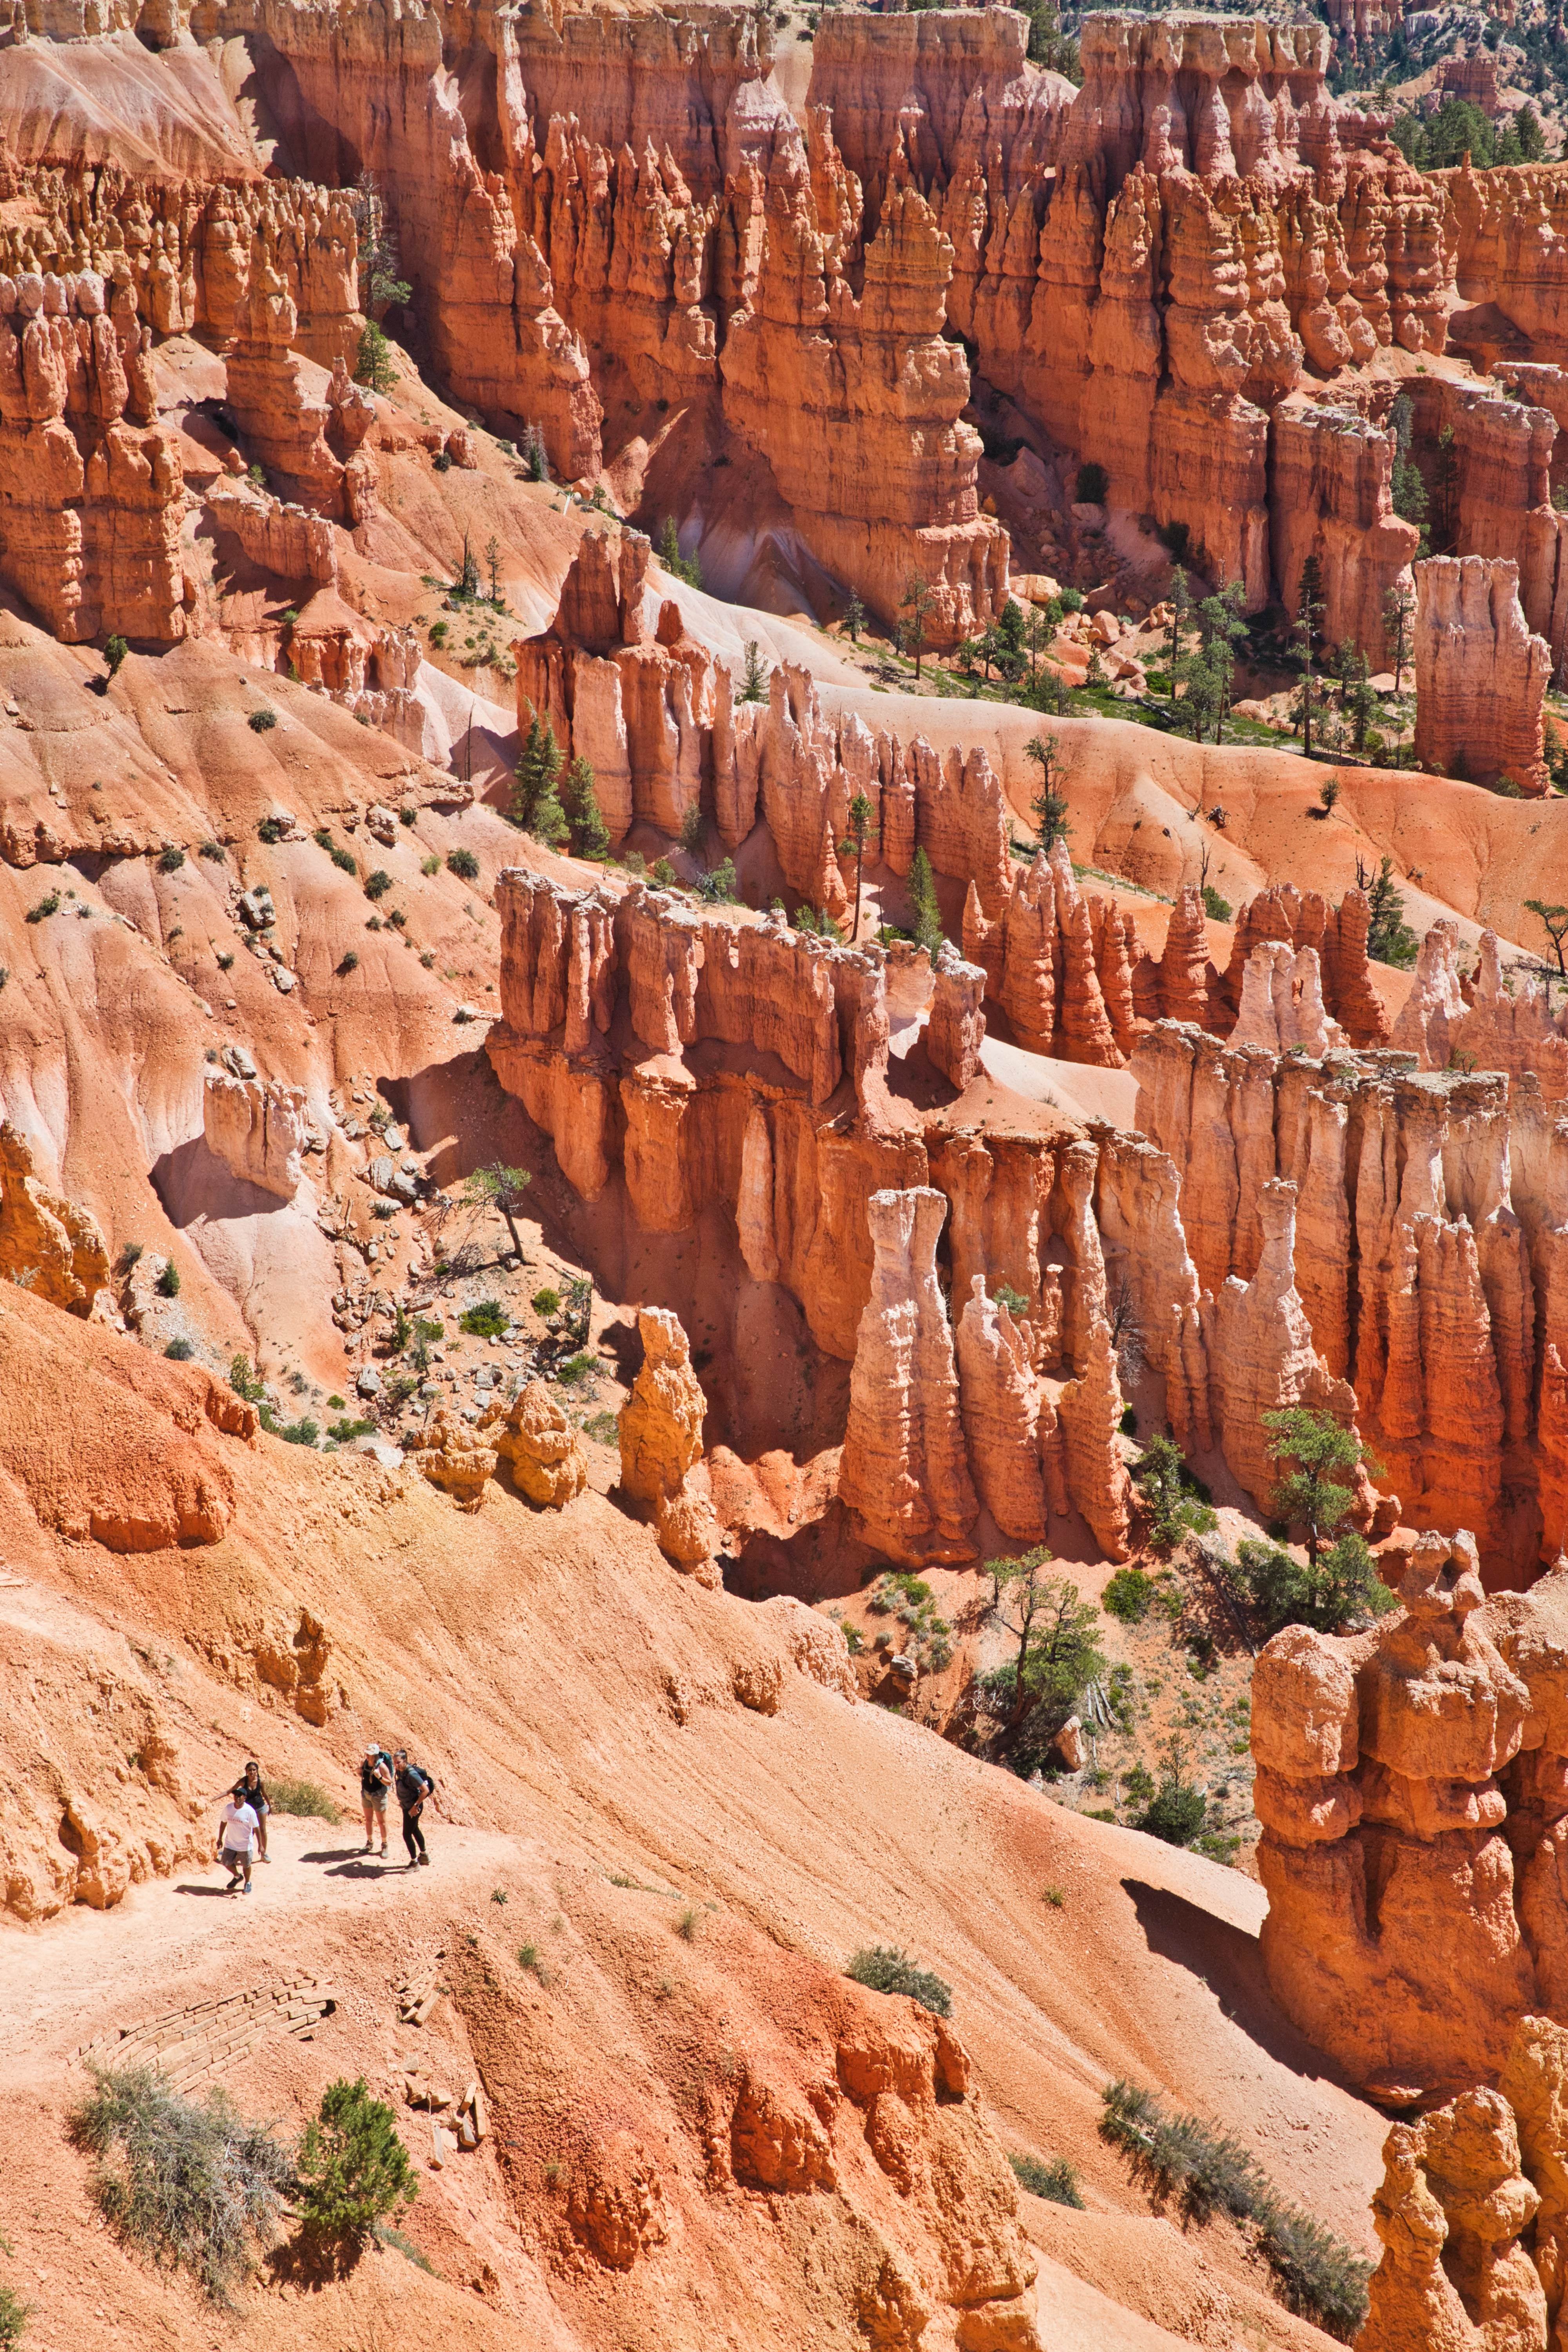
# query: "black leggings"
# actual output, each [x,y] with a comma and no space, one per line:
[413,1835]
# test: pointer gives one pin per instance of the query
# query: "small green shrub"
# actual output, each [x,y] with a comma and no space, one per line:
[14,2314]
[407,2249]
[546,1302]
[271,829]
[344,859]
[1056,2182]
[170,859]
[46,907]
[689,1926]
[529,1956]
[353,2168]
[1204,2171]
[305,1798]
[213,851]
[1055,1896]
[406,815]
[168,1285]
[261,720]
[349,962]
[719,889]
[292,1433]
[344,1432]
[488,1320]
[1129,1595]
[1218,909]
[463,863]
[883,1969]
[428,866]
[576,1368]
[114,653]
[189,2187]
[378,883]
[602,1428]
[179,1351]
[245,1383]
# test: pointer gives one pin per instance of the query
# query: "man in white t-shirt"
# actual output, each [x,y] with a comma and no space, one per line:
[236,1838]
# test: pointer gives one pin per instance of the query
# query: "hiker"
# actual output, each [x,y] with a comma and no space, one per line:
[256,1797]
[375,1780]
[414,1785]
[236,1838]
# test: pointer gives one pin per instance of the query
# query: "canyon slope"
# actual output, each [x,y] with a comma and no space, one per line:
[583,1157]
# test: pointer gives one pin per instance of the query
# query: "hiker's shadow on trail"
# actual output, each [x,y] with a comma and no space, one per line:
[341,1854]
[185,1886]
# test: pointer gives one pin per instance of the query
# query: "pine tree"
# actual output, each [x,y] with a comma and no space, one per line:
[1181,603]
[1309,610]
[537,770]
[923,899]
[590,834]
[1048,808]
[854,618]
[1409,491]
[862,827]
[1389,937]
[754,686]
[917,601]
[1398,611]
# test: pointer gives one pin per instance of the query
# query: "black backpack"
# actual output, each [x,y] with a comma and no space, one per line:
[367,1780]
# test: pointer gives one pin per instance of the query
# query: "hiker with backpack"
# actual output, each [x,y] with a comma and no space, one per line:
[414,1785]
[375,1780]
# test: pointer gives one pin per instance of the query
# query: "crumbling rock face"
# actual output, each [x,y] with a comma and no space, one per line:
[1425,1270]
[622,685]
[1058,965]
[455,1457]
[661,1445]
[856,405]
[1472,2212]
[258,1128]
[1282,1004]
[1332,496]
[47,1245]
[91,492]
[1411,1792]
[904,1473]
[1305,920]
[1495,1023]
[535,1437]
[1480,675]
[955,1026]
[1453,2208]
[1261,1350]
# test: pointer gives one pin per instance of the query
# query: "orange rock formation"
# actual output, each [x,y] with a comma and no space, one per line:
[1410,1784]
[661,1445]
[1480,675]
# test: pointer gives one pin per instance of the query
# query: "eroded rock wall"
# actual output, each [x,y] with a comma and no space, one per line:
[1480,675]
[1410,1783]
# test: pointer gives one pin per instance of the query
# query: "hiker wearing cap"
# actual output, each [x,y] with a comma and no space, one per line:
[237,1837]
[375,1780]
